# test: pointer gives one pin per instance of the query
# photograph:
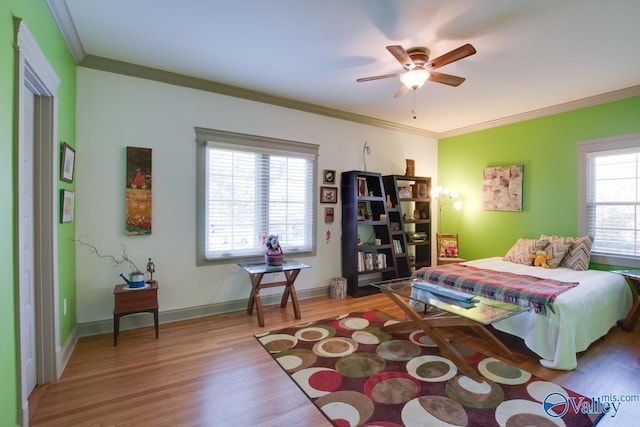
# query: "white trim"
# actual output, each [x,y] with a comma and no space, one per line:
[35,59]
[65,23]
[61,14]
[547,111]
[584,149]
[35,71]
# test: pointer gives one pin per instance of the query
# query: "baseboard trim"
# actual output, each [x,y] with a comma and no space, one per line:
[143,319]
[63,354]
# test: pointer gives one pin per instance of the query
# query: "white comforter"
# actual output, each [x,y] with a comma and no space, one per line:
[580,315]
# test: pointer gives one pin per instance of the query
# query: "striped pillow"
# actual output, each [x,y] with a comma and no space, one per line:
[579,253]
[519,253]
[558,248]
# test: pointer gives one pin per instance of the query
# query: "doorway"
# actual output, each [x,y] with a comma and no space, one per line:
[36,244]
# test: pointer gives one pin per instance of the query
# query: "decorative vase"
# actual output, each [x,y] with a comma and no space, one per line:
[422,190]
[276,258]
[389,204]
[411,167]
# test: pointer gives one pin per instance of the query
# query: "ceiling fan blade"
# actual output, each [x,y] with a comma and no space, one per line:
[454,55]
[402,90]
[402,56]
[446,79]
[383,76]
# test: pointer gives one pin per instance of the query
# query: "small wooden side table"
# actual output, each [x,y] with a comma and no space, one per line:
[129,301]
[256,271]
[633,279]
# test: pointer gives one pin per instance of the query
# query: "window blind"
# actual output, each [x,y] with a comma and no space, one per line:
[255,186]
[613,201]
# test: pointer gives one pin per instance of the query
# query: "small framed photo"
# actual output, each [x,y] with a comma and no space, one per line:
[67,162]
[329,176]
[66,206]
[328,194]
[362,187]
[328,215]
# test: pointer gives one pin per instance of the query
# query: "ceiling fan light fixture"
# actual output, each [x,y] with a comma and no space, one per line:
[414,79]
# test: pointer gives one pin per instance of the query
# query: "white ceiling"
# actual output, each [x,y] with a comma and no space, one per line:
[531,54]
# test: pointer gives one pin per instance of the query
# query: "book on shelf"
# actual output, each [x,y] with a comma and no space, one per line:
[368,261]
[381,261]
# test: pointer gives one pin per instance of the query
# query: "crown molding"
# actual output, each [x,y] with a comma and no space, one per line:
[547,111]
[61,14]
[148,73]
[65,23]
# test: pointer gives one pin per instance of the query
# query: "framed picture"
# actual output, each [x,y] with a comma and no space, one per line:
[328,215]
[328,194]
[66,205]
[405,192]
[67,162]
[329,176]
[363,191]
[138,194]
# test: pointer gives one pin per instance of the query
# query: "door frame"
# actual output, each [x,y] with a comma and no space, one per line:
[34,71]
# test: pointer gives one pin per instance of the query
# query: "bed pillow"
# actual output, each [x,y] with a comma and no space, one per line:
[579,254]
[519,252]
[558,247]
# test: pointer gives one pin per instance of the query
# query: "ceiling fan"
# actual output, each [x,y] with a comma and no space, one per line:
[419,69]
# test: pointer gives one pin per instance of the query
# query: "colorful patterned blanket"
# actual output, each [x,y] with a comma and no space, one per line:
[501,286]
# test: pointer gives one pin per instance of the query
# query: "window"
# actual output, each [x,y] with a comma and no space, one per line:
[610,198]
[250,186]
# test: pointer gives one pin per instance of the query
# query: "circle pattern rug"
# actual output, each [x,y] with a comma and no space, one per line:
[358,374]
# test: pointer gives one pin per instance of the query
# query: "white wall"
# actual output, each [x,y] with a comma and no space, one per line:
[116,111]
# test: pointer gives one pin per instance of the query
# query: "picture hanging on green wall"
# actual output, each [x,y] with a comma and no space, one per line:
[502,188]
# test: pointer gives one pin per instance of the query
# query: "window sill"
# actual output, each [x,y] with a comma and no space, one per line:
[248,258]
[615,260]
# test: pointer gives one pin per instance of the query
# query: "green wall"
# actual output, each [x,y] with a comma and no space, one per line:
[547,149]
[36,15]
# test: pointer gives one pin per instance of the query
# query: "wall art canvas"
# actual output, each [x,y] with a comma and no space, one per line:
[502,188]
[138,191]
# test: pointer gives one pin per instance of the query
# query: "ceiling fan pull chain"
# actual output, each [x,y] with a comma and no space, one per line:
[413,106]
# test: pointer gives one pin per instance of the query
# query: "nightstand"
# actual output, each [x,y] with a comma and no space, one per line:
[130,301]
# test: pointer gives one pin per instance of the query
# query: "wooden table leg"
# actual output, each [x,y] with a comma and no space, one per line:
[155,322]
[630,322]
[290,289]
[116,328]
[254,297]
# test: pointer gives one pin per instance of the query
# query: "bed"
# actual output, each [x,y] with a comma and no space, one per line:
[579,316]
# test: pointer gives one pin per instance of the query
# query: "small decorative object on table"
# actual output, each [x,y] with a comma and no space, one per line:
[274,254]
[151,268]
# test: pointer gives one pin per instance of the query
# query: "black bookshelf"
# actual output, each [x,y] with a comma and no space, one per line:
[367,246]
[410,219]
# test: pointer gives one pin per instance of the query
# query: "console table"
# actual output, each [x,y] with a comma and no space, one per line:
[129,301]
[633,279]
[256,271]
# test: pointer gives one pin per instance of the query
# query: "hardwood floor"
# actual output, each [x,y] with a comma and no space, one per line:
[211,371]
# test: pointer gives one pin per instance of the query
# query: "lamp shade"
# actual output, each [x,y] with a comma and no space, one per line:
[414,79]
